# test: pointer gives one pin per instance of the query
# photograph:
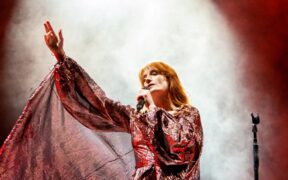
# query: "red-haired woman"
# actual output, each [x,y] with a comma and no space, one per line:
[46,142]
[166,135]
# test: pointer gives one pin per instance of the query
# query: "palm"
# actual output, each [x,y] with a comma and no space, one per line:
[52,42]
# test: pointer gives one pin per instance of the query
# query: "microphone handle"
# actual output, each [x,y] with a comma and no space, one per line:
[140,104]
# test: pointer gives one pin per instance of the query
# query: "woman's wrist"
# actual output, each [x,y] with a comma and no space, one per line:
[59,56]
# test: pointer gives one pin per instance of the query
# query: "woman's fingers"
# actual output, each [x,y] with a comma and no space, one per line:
[50,28]
[45,38]
[50,35]
[46,28]
[61,39]
[60,34]
[142,94]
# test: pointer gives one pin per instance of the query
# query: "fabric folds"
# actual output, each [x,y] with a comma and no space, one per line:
[48,143]
[70,129]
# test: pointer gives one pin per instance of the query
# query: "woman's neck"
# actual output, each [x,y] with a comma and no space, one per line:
[164,102]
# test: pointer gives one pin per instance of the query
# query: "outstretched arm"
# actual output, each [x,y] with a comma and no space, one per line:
[80,95]
[87,102]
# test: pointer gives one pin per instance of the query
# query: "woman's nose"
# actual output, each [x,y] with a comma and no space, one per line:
[147,80]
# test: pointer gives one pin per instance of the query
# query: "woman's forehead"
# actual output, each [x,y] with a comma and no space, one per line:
[148,69]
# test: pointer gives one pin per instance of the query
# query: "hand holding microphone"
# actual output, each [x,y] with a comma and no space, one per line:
[144,98]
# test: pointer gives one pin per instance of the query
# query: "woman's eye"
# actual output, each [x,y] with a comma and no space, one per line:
[154,73]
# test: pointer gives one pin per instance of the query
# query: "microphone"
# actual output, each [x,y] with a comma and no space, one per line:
[140,104]
[141,101]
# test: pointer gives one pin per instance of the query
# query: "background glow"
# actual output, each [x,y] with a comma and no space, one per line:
[112,39]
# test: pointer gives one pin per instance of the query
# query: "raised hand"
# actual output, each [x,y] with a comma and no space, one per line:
[54,43]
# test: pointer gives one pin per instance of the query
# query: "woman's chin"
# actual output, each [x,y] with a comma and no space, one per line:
[153,90]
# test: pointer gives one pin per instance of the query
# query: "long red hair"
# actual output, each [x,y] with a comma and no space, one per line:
[176,91]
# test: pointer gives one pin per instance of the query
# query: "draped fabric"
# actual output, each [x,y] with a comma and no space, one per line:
[69,129]
[48,143]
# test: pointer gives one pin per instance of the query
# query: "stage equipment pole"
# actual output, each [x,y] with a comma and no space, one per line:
[255,121]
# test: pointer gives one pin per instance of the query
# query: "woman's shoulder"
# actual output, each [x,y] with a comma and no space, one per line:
[188,108]
[188,111]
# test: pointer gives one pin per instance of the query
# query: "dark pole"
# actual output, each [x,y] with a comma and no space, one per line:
[255,121]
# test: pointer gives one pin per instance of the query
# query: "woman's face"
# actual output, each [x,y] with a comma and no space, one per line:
[155,82]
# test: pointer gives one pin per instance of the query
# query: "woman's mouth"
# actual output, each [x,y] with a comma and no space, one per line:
[149,86]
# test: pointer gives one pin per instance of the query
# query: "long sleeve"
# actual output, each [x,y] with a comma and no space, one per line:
[87,102]
[46,142]
[178,139]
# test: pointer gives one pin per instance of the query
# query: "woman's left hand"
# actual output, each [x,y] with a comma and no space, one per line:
[54,43]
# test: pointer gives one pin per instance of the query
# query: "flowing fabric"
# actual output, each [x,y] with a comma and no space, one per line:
[79,133]
[48,143]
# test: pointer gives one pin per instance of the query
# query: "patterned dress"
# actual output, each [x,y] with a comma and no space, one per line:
[165,146]
[66,132]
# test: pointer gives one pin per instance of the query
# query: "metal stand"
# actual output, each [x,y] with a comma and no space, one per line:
[255,121]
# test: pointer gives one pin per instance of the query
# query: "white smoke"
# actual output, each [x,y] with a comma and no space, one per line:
[112,39]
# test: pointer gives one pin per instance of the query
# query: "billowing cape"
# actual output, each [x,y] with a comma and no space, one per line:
[48,143]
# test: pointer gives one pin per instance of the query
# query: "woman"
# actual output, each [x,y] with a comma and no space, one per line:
[166,135]
[167,138]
